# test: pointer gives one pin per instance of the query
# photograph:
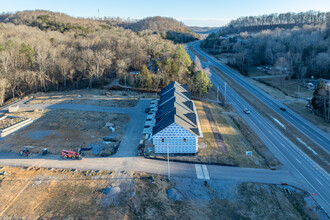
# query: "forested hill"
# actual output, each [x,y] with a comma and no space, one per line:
[168,28]
[271,21]
[45,51]
[54,21]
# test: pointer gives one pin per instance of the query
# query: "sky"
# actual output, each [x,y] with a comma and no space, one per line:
[211,13]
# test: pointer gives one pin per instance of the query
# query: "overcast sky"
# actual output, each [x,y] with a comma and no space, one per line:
[212,13]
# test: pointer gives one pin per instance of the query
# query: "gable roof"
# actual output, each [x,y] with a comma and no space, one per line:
[177,87]
[184,119]
[175,106]
[175,101]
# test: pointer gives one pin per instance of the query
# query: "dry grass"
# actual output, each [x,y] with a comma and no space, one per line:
[32,193]
[236,143]
[275,93]
[288,87]
[61,129]
[291,132]
[300,108]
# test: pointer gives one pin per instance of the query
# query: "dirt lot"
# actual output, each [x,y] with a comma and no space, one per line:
[89,97]
[34,193]
[61,129]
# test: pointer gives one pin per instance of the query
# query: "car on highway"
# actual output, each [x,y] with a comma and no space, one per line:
[283,109]
[247,111]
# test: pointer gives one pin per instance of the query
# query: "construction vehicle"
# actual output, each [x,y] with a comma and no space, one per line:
[25,152]
[70,154]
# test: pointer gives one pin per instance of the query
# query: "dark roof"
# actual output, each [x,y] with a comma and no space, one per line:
[175,106]
[177,87]
[181,117]
[173,102]
[171,94]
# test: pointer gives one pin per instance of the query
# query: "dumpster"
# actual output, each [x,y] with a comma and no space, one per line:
[44,151]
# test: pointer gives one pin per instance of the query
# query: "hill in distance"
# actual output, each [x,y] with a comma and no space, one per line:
[168,28]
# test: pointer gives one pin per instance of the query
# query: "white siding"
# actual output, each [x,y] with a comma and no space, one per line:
[179,140]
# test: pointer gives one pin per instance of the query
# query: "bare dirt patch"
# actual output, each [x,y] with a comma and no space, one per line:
[90,97]
[66,129]
[10,121]
[34,193]
[217,135]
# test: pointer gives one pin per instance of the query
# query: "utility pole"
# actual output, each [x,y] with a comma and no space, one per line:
[125,82]
[298,90]
[225,92]
[98,13]
[168,164]
[328,86]
[218,94]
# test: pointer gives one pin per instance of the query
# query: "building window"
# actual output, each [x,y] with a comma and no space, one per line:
[184,140]
[162,139]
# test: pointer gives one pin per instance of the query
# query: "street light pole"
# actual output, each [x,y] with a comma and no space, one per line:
[168,164]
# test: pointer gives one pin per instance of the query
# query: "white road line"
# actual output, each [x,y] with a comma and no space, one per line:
[298,161]
[318,181]
[199,171]
[205,172]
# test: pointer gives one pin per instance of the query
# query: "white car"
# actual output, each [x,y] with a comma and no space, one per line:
[247,111]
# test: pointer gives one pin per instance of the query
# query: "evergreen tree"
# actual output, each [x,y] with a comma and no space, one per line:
[145,74]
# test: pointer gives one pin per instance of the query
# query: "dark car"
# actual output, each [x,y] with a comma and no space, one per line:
[147,110]
[283,109]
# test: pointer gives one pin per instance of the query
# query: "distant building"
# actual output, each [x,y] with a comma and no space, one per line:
[134,73]
[312,84]
[176,121]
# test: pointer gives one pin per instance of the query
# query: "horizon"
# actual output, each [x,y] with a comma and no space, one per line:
[193,14]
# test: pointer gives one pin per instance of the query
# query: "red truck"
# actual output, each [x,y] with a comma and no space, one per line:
[70,154]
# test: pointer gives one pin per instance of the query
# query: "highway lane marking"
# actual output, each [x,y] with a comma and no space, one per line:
[298,161]
[318,181]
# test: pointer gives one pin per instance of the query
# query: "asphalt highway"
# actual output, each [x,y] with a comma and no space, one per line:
[321,138]
[293,159]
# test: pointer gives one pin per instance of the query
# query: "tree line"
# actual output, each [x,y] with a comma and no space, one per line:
[309,17]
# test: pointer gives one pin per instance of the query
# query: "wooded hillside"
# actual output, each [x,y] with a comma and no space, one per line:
[168,28]
[45,52]
[300,51]
[271,21]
